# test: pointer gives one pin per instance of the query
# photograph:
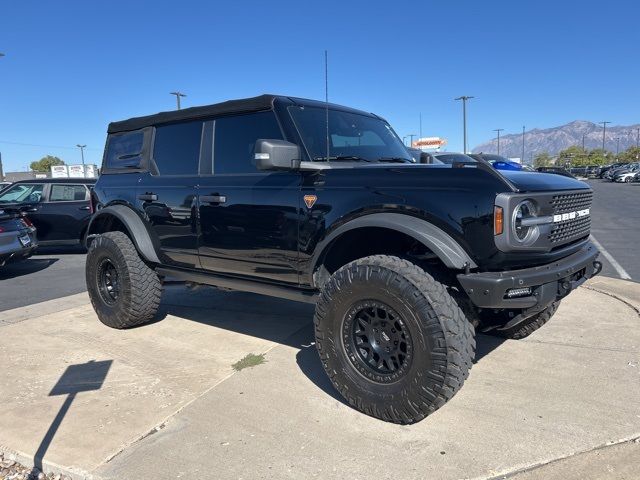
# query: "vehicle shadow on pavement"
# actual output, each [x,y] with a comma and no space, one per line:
[25,267]
[253,315]
[61,250]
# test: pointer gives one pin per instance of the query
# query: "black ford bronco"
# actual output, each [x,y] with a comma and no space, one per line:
[321,203]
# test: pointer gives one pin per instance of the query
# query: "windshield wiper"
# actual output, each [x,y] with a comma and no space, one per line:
[350,158]
[395,160]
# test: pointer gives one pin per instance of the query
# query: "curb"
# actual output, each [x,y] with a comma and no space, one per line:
[628,292]
[36,310]
[48,467]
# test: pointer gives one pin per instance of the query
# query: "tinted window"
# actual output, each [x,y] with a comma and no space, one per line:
[235,139]
[67,193]
[22,193]
[125,150]
[176,149]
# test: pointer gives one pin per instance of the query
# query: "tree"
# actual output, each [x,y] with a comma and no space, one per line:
[542,160]
[573,156]
[631,154]
[45,163]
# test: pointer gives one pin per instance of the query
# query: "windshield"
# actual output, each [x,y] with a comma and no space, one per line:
[450,158]
[22,193]
[351,136]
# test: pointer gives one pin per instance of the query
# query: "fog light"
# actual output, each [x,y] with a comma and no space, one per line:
[519,292]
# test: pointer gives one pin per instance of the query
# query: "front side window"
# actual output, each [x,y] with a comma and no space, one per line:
[235,140]
[22,193]
[350,135]
[176,149]
[67,193]
[125,150]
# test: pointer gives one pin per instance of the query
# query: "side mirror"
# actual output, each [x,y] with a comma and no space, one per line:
[276,155]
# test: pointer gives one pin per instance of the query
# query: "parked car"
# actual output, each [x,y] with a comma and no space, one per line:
[446,158]
[497,161]
[58,207]
[17,236]
[607,171]
[592,171]
[578,171]
[626,174]
[555,170]
[402,261]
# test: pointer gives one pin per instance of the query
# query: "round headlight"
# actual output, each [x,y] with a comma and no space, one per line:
[524,231]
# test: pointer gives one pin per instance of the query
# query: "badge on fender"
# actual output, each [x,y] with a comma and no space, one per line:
[310,200]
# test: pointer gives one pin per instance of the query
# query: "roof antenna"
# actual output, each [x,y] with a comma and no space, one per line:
[326,96]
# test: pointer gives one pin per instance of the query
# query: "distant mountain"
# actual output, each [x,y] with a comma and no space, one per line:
[553,140]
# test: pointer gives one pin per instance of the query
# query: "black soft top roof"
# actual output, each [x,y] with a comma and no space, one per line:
[253,104]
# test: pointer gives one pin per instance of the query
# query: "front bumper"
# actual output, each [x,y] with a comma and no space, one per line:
[548,282]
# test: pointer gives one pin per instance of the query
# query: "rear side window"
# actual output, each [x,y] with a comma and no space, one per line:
[125,150]
[176,149]
[235,139]
[67,193]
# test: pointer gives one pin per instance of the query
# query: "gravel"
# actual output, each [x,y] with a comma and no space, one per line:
[11,470]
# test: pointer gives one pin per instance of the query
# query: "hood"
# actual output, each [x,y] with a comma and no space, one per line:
[537,182]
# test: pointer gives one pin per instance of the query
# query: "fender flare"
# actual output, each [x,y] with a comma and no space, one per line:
[434,238]
[136,229]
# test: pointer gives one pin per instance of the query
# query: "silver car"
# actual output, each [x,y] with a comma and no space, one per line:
[17,237]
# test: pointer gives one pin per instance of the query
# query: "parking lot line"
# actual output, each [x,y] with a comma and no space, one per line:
[617,267]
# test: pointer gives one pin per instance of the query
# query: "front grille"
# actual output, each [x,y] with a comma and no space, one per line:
[573,229]
[570,202]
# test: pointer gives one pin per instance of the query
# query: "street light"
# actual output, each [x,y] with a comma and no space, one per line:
[178,94]
[498,130]
[464,99]
[82,147]
[522,160]
[604,131]
[617,146]
[411,135]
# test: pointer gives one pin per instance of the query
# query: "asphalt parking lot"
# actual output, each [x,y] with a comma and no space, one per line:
[615,225]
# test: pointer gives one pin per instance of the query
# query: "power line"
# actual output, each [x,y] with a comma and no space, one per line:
[45,146]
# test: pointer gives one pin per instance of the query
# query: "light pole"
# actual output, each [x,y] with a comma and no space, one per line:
[82,147]
[498,130]
[617,146]
[411,135]
[583,141]
[464,99]
[178,94]
[638,138]
[604,132]
[420,124]
[522,145]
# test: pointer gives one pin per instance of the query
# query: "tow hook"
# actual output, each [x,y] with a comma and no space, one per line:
[597,267]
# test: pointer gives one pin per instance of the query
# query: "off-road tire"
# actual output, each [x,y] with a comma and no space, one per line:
[139,287]
[443,341]
[530,325]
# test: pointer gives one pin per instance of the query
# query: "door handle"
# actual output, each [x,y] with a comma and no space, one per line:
[213,198]
[148,197]
[85,208]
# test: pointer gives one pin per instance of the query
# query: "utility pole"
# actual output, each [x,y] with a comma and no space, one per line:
[583,141]
[498,130]
[604,132]
[464,99]
[178,94]
[522,145]
[638,138]
[420,124]
[1,171]
[617,146]
[82,147]
[411,135]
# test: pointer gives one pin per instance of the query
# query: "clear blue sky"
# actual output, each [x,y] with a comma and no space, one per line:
[73,66]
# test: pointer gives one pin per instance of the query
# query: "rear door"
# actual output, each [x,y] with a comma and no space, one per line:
[248,218]
[167,194]
[64,212]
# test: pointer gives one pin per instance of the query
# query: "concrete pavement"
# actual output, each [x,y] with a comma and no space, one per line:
[171,406]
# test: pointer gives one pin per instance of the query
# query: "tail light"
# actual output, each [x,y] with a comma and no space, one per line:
[498,220]
[1,229]
[26,221]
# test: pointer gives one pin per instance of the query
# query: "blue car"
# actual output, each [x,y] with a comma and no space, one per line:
[499,162]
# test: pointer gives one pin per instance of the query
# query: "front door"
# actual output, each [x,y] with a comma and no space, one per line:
[167,195]
[64,213]
[248,218]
